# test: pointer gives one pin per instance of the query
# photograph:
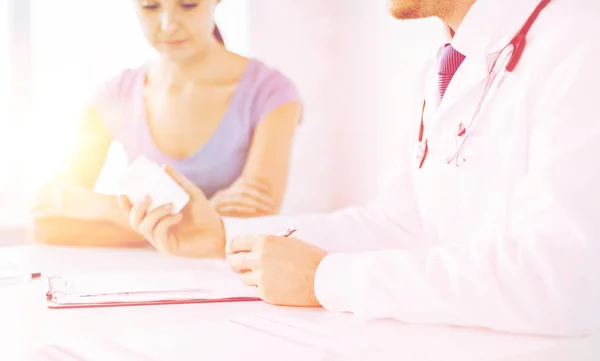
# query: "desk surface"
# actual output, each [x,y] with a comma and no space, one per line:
[26,322]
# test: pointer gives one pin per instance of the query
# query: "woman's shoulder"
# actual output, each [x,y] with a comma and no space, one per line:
[267,88]
[264,76]
[114,98]
[118,87]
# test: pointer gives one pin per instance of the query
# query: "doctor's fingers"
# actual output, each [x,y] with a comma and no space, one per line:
[243,243]
[138,212]
[249,279]
[243,262]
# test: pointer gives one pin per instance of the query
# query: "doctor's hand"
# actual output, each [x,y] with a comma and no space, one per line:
[282,268]
[246,197]
[197,231]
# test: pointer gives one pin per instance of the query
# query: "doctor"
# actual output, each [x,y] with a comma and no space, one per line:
[494,222]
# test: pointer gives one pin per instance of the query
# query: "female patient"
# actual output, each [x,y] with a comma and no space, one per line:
[224,121]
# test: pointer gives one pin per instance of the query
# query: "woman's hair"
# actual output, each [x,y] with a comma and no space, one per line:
[217,35]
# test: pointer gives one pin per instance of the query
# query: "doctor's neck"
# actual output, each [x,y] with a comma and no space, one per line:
[454,11]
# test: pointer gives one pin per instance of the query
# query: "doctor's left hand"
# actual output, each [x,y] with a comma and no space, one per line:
[282,268]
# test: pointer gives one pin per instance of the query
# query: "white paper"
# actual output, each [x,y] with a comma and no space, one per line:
[10,272]
[148,286]
[83,348]
[331,336]
[218,341]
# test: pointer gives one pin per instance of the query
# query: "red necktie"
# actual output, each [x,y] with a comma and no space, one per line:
[449,64]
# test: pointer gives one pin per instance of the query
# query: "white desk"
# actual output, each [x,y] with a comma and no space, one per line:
[25,322]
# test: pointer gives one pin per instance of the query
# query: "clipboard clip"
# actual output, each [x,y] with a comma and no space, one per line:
[55,285]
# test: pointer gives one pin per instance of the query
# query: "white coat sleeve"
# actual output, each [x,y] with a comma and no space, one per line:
[542,275]
[382,224]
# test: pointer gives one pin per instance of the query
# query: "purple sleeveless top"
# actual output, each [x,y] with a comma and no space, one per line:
[219,162]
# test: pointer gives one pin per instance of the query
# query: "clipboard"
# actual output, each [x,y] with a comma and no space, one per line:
[60,295]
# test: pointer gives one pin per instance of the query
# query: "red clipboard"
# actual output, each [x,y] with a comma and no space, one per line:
[58,296]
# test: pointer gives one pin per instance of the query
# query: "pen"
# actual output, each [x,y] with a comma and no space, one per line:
[288,232]
[20,277]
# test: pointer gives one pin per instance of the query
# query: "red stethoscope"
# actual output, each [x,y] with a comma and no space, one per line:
[505,63]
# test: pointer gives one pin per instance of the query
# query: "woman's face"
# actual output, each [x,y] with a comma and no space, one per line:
[177,29]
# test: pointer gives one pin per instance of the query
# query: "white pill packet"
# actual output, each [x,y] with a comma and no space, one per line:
[144,177]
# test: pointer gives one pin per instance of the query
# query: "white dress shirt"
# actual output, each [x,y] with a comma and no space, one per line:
[509,240]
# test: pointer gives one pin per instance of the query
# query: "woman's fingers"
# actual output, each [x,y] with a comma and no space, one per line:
[138,212]
[45,210]
[249,279]
[125,203]
[246,197]
[41,205]
[254,183]
[243,243]
[258,196]
[161,232]
[242,262]
[187,185]
[44,196]
[151,220]
[248,201]
[233,210]
[245,202]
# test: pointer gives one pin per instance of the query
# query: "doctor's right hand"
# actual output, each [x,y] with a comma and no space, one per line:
[197,231]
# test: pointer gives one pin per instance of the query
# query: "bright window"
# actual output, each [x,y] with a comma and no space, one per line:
[11,98]
[76,46]
[3,63]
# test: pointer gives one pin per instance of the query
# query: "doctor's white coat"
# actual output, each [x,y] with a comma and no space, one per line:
[509,240]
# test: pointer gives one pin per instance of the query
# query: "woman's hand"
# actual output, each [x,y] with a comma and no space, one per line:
[245,198]
[197,231]
[61,198]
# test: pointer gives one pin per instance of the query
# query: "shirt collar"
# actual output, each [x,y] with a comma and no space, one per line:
[490,25]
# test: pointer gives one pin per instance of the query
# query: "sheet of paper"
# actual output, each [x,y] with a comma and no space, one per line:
[332,335]
[79,348]
[10,272]
[147,286]
[218,341]
[346,337]
[293,336]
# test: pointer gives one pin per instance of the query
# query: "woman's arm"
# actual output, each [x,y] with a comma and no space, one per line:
[79,232]
[270,152]
[68,211]
[261,188]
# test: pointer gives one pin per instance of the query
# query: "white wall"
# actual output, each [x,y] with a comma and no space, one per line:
[354,66]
